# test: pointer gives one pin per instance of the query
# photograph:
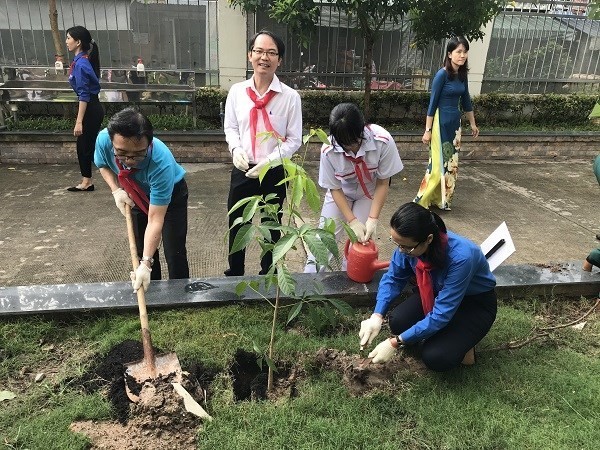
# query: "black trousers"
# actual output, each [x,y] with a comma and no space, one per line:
[242,187]
[86,142]
[446,349]
[174,234]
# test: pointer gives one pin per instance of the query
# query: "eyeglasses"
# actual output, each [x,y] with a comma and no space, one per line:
[260,52]
[137,157]
[405,249]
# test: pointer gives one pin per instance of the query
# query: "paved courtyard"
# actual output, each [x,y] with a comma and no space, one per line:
[51,236]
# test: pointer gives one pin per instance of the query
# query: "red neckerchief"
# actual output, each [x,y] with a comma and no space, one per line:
[127,182]
[424,280]
[361,169]
[259,104]
[85,55]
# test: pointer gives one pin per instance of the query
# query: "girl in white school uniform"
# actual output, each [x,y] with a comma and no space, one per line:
[355,169]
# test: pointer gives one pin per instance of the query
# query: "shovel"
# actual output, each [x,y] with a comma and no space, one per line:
[151,366]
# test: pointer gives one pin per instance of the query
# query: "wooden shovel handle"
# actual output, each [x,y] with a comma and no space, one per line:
[141,298]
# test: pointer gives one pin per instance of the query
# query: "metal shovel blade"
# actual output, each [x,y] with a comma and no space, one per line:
[165,366]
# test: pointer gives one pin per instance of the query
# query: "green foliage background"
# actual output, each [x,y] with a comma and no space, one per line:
[396,110]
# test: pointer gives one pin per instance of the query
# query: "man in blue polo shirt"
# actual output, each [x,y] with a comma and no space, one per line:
[141,171]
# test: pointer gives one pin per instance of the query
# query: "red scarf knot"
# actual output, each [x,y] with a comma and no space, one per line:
[127,182]
[424,280]
[260,104]
[362,170]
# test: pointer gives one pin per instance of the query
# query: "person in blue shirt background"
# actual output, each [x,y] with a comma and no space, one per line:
[84,74]
[454,306]
[442,126]
[141,171]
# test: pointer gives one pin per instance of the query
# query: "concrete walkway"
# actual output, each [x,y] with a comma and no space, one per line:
[51,236]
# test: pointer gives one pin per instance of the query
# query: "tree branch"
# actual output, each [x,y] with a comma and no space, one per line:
[538,333]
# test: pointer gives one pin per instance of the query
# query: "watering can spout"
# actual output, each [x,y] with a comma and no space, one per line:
[362,262]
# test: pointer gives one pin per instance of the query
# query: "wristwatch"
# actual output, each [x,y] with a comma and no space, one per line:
[427,130]
[149,259]
[399,341]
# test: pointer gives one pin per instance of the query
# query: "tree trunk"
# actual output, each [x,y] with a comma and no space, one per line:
[272,342]
[56,37]
[367,70]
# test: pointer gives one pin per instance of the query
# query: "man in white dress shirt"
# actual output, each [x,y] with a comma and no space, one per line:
[260,104]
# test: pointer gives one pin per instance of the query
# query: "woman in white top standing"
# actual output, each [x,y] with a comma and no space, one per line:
[355,169]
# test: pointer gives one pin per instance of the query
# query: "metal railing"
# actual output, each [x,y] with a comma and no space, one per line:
[176,35]
[548,46]
[544,47]
[334,59]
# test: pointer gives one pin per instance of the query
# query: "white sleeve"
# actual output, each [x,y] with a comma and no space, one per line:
[231,124]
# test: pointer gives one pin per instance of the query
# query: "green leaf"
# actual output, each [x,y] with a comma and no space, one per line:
[283,246]
[329,225]
[294,312]
[306,137]
[250,209]
[240,288]
[329,313]
[328,239]
[270,197]
[318,249]
[285,281]
[240,203]
[256,348]
[271,364]
[341,306]
[322,136]
[265,232]
[351,234]
[290,167]
[242,238]
[7,395]
[263,171]
[312,195]
[297,192]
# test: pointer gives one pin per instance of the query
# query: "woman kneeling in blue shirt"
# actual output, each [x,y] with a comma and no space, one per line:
[455,304]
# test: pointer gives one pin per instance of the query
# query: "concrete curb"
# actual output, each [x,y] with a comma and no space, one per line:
[514,281]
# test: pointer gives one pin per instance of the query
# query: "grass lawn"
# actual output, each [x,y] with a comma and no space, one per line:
[545,395]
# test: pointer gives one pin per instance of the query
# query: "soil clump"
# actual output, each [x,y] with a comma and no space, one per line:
[360,376]
[158,421]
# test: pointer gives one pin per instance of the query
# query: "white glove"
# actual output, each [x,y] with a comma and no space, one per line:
[359,229]
[255,171]
[141,277]
[371,227]
[383,352]
[240,159]
[122,198]
[369,329]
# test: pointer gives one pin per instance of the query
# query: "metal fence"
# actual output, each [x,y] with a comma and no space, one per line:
[547,46]
[544,50]
[174,35]
[334,59]
[537,47]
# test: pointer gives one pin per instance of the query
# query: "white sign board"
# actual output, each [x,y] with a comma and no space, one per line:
[498,246]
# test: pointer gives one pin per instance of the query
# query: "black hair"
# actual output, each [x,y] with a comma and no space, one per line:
[346,124]
[88,45]
[453,43]
[413,221]
[278,42]
[130,123]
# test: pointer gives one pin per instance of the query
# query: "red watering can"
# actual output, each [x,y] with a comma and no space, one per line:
[362,261]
